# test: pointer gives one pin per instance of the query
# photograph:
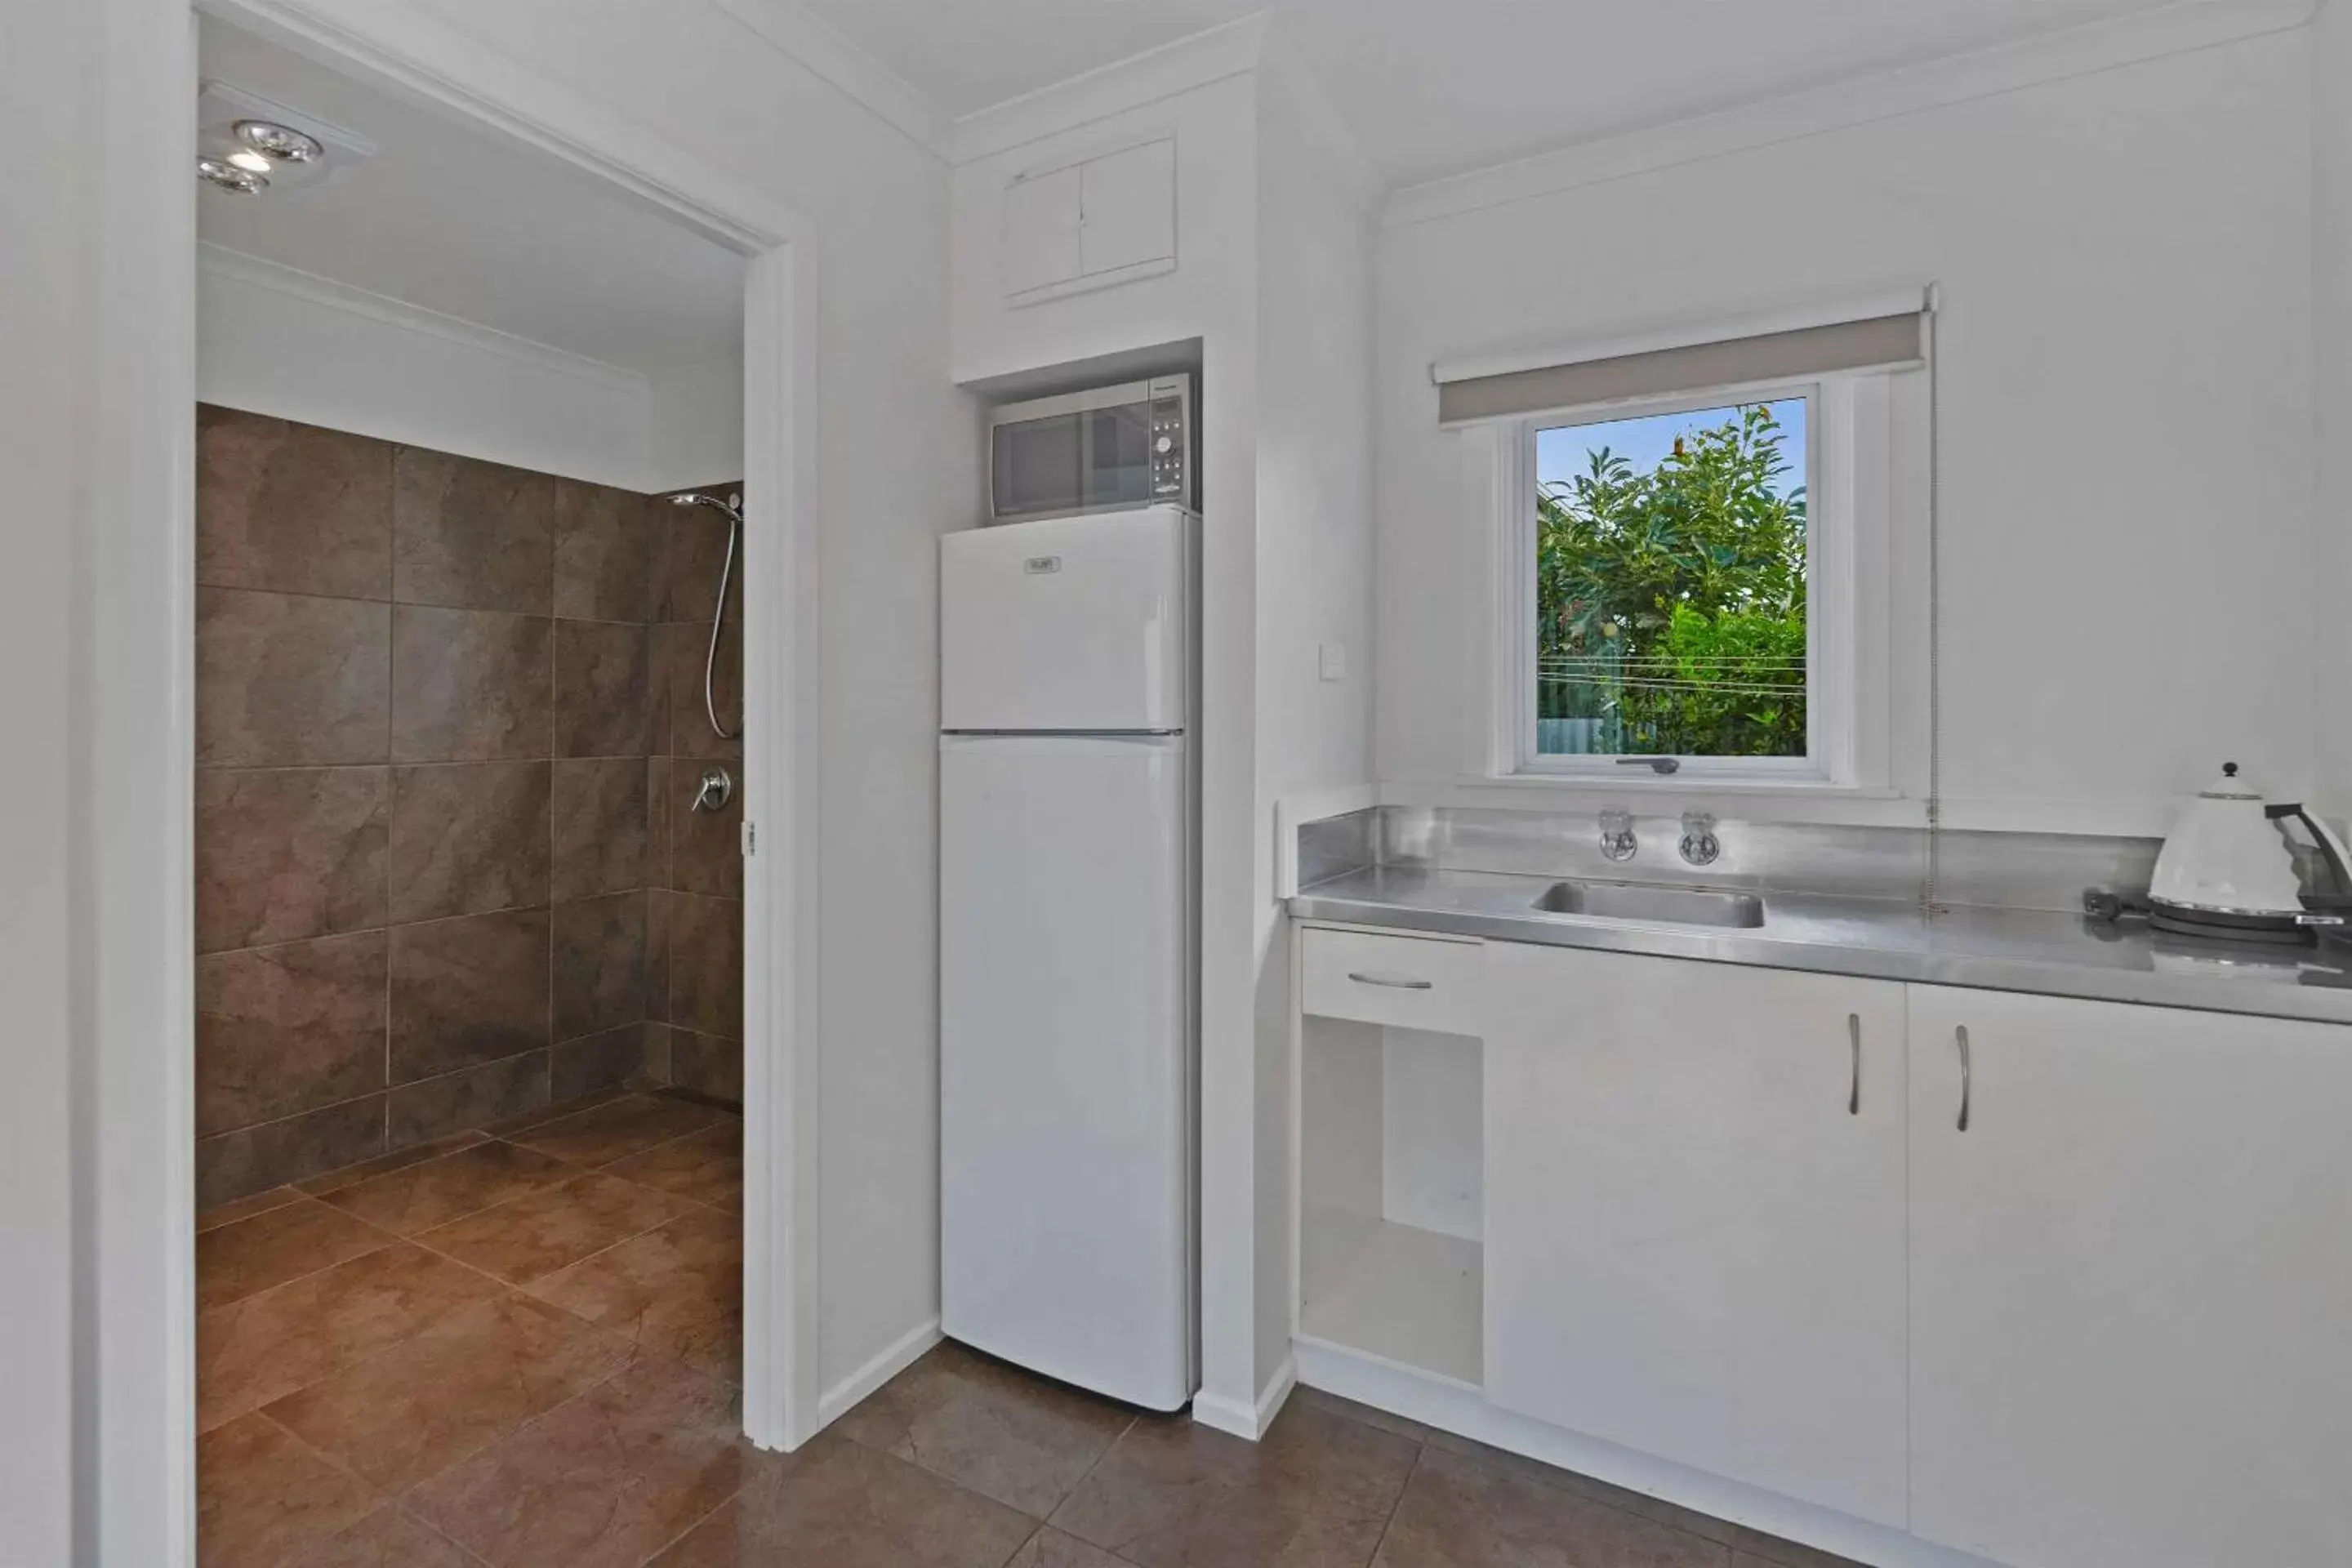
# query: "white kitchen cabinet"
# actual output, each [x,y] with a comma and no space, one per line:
[1091,223]
[1694,1217]
[2131,1285]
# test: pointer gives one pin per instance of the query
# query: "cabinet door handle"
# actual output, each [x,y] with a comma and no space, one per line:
[1967,1074]
[1393,982]
[1853,1034]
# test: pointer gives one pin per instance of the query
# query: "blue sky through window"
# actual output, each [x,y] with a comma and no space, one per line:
[1645,442]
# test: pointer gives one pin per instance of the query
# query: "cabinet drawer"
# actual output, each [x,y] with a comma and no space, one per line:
[1412,981]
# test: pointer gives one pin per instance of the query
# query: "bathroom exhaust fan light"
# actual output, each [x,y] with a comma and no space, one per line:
[229,177]
[279,143]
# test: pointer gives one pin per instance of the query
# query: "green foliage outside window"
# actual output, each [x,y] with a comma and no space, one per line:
[1671,603]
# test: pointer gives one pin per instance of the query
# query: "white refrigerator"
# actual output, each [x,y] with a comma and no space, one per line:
[1067,1065]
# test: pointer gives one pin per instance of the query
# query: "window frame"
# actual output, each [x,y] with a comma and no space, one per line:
[1847,420]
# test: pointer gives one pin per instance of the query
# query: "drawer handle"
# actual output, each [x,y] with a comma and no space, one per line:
[1853,1033]
[1392,982]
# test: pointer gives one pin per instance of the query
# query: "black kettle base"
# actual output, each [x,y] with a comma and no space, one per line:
[2268,931]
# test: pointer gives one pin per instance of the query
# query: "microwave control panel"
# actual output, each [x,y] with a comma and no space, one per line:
[1172,440]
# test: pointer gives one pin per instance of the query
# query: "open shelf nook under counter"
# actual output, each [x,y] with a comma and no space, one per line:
[1391,1268]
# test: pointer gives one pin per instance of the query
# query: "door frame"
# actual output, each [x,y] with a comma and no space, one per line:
[137,1498]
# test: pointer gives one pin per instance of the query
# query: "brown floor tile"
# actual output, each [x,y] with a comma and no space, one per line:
[837,1504]
[435,1192]
[1458,1512]
[707,1167]
[1754,1548]
[384,1538]
[451,1391]
[246,1208]
[602,1481]
[677,1291]
[1600,1491]
[554,1227]
[248,1256]
[265,1347]
[1314,1494]
[617,1128]
[1402,1425]
[261,1495]
[1001,1433]
[555,1113]
[398,1160]
[1049,1548]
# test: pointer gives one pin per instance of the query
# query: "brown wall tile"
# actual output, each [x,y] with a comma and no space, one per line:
[276,1152]
[286,854]
[600,965]
[469,686]
[658,919]
[706,965]
[286,681]
[467,990]
[697,552]
[658,1051]
[661,807]
[472,535]
[604,554]
[608,1060]
[600,684]
[473,1098]
[706,1065]
[290,1028]
[706,852]
[682,650]
[291,507]
[467,838]
[599,827]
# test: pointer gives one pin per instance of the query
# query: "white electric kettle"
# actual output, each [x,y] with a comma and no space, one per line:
[2228,870]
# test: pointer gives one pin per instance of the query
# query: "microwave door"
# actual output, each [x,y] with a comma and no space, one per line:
[1117,457]
[1040,466]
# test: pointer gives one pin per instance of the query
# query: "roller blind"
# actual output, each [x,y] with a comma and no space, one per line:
[1877,342]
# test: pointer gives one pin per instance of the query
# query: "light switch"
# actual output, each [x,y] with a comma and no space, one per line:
[1332,661]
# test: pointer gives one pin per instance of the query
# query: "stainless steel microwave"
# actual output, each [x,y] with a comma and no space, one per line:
[1103,450]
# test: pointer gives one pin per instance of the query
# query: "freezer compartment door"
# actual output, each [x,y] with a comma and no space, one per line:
[1072,625]
[1065,1059]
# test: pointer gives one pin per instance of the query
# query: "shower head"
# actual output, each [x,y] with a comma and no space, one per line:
[732,506]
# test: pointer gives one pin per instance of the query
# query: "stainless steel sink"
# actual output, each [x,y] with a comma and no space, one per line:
[1672,906]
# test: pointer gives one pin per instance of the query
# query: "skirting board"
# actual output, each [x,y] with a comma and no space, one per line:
[895,1358]
[1248,1420]
[1463,1411]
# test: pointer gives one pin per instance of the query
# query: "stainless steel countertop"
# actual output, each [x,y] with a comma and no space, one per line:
[1991,949]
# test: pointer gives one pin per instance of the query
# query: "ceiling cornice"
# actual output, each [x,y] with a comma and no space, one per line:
[2057,57]
[796,30]
[1148,78]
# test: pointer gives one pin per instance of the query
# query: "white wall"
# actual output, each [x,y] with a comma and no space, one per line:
[2331,67]
[272,341]
[698,425]
[2125,409]
[1313,566]
[897,465]
[44,306]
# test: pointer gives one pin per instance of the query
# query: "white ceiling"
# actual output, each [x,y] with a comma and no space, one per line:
[449,218]
[1438,87]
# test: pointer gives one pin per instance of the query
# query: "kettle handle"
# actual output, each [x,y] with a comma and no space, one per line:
[2331,849]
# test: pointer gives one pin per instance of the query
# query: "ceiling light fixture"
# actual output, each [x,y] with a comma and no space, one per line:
[229,177]
[248,159]
[279,143]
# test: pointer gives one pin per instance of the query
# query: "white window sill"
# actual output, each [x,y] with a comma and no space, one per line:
[1645,781]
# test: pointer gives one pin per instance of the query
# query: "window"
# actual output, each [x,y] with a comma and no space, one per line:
[1710,554]
[1670,560]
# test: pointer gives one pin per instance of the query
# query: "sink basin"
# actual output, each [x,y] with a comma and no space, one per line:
[1674,906]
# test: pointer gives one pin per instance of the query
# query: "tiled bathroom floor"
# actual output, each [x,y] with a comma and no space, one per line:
[520,1350]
